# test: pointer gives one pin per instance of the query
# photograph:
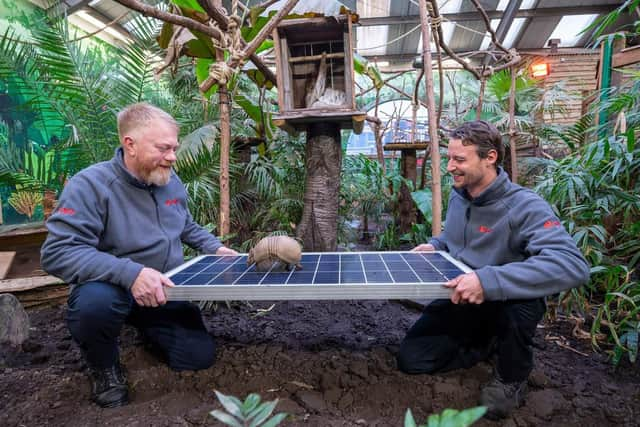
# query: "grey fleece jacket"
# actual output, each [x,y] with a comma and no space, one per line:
[108,226]
[511,238]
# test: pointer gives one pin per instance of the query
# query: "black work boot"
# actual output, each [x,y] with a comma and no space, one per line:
[502,398]
[109,387]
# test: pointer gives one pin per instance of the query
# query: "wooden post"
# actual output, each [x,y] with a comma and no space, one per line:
[225,142]
[378,134]
[425,19]
[512,126]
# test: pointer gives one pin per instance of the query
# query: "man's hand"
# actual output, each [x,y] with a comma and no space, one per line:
[223,250]
[148,290]
[466,289]
[425,247]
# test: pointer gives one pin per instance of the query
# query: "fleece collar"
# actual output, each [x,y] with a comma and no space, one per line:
[494,191]
[119,167]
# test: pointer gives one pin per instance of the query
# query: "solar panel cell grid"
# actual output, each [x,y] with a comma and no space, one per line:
[353,275]
[363,268]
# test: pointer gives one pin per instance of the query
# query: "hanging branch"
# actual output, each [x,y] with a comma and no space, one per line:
[172,18]
[238,57]
[511,55]
[437,18]
[487,23]
[216,13]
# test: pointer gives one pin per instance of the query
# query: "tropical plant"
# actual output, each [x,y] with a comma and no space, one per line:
[596,193]
[63,95]
[448,418]
[364,192]
[250,413]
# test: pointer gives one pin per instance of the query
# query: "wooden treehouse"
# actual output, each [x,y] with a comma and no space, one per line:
[315,74]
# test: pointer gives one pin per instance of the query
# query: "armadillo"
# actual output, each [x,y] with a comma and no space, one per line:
[275,249]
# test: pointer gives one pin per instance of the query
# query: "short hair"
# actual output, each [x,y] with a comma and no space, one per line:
[138,116]
[483,135]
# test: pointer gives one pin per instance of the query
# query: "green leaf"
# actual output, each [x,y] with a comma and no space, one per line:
[252,110]
[631,139]
[259,78]
[408,419]
[265,45]
[248,33]
[265,411]
[189,4]
[202,72]
[250,403]
[225,418]
[230,403]
[198,49]
[423,200]
[363,67]
[277,419]
[165,35]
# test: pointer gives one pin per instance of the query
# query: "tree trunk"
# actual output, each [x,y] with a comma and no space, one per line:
[512,126]
[407,208]
[436,191]
[318,228]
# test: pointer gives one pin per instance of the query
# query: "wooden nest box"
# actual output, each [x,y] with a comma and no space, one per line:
[315,75]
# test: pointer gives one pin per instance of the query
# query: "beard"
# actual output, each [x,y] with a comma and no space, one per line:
[158,176]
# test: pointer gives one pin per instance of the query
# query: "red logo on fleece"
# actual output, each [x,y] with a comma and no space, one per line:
[484,229]
[67,211]
[551,223]
[170,202]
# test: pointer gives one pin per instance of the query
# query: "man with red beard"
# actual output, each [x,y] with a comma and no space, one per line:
[520,253]
[118,226]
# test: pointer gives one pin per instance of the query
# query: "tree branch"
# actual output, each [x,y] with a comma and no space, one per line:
[487,23]
[172,18]
[436,17]
[191,24]
[267,29]
[215,13]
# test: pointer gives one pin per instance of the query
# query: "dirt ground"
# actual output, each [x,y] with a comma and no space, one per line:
[328,363]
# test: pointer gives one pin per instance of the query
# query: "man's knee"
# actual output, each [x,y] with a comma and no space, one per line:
[523,315]
[95,305]
[425,355]
[197,353]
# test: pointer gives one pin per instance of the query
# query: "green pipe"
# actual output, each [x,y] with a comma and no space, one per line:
[605,85]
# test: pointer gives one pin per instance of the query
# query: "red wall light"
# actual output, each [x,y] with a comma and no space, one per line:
[540,69]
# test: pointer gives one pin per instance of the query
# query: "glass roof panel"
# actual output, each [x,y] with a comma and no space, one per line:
[513,32]
[449,6]
[569,29]
[487,38]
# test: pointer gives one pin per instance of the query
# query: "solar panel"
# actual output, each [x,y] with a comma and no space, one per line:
[323,276]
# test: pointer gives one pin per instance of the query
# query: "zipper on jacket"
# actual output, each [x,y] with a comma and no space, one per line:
[467,216]
[155,202]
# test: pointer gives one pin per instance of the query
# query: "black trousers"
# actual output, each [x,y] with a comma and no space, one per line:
[452,336]
[175,331]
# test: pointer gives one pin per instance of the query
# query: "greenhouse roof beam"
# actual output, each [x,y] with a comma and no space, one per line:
[545,12]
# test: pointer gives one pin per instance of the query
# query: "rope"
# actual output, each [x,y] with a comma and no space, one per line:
[230,41]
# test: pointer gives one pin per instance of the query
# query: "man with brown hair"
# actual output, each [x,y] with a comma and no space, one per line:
[520,253]
[118,226]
